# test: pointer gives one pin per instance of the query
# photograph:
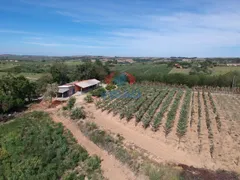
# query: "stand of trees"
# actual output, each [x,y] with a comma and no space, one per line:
[62,74]
[15,92]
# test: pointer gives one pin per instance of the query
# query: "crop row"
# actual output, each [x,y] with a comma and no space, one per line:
[145,106]
[172,113]
[183,120]
[199,115]
[192,110]
[158,119]
[153,107]
[134,106]
[208,123]
[217,117]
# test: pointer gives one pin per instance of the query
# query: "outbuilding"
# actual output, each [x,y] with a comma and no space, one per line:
[86,85]
[66,90]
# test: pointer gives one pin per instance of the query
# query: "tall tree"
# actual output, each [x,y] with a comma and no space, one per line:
[59,72]
[15,92]
[51,91]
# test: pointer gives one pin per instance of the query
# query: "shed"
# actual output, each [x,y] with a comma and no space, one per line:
[86,85]
[66,90]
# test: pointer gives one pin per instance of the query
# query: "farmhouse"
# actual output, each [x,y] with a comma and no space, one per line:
[69,89]
[178,66]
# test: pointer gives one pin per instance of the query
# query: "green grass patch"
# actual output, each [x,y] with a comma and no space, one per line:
[177,70]
[30,76]
[223,70]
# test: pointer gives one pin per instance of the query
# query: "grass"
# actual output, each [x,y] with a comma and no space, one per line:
[224,70]
[73,62]
[142,68]
[7,65]
[30,76]
[215,70]
[177,70]
[33,147]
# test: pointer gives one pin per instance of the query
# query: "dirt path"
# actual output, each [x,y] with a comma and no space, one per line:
[112,168]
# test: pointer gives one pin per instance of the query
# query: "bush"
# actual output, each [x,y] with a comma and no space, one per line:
[64,108]
[88,98]
[71,102]
[98,92]
[78,113]
[110,87]
[93,163]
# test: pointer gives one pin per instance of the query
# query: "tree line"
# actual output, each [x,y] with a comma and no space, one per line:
[226,80]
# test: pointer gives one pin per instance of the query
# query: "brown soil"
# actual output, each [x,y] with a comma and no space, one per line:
[112,168]
[155,142]
[229,134]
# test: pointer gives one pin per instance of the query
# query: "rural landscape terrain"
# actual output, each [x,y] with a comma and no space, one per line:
[149,118]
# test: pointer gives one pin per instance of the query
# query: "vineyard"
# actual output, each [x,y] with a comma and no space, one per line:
[181,114]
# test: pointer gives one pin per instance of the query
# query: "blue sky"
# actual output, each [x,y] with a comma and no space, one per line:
[203,28]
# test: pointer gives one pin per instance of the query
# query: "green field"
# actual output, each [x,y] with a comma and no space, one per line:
[177,70]
[30,76]
[144,71]
[7,65]
[223,70]
[33,147]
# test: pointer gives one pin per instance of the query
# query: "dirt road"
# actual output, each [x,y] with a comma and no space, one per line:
[112,168]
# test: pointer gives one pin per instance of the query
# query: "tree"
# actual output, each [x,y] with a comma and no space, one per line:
[51,91]
[42,82]
[15,92]
[59,72]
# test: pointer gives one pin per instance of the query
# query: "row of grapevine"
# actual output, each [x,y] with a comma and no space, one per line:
[134,106]
[153,107]
[114,101]
[208,123]
[158,119]
[199,115]
[145,106]
[183,120]
[125,100]
[217,117]
[192,110]
[172,113]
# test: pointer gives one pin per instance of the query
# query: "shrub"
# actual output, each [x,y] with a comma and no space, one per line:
[88,98]
[78,113]
[64,108]
[98,92]
[71,102]
[110,87]
[93,163]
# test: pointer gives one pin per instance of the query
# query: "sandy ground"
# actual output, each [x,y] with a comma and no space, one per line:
[168,151]
[112,168]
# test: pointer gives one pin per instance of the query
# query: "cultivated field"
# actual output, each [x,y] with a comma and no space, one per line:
[199,123]
[144,69]
[224,70]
